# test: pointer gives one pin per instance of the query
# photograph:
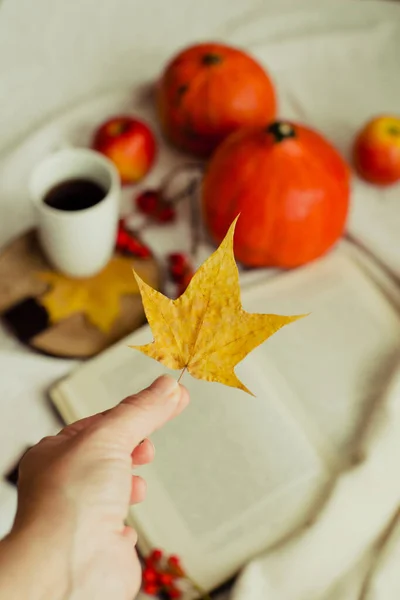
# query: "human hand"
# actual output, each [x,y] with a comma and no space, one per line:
[69,539]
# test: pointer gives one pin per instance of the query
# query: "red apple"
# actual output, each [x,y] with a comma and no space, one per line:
[129,143]
[376,150]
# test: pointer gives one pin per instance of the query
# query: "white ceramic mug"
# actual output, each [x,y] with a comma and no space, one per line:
[78,243]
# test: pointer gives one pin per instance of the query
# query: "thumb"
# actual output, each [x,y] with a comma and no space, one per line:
[139,415]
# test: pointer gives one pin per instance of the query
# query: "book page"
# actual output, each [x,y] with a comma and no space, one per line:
[232,474]
[335,365]
[235,474]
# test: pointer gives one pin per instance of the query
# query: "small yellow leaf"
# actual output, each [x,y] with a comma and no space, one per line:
[96,297]
[206,330]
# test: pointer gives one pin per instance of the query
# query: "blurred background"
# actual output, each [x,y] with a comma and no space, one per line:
[117,42]
[84,74]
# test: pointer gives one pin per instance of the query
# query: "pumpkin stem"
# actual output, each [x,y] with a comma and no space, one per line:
[211,59]
[281,130]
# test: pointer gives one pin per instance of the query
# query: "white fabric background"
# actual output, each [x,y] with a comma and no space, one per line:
[54,54]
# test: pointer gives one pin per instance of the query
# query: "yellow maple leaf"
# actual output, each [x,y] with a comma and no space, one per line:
[96,297]
[206,330]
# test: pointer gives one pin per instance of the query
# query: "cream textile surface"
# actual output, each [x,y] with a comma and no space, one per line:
[335,64]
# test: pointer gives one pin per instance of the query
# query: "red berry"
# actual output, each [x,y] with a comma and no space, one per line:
[149,575]
[151,589]
[147,202]
[185,282]
[177,258]
[156,555]
[122,239]
[174,564]
[177,272]
[165,214]
[165,578]
[174,593]
[179,266]
[133,246]
[174,561]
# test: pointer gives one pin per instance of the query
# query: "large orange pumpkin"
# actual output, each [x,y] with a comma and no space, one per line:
[291,188]
[209,90]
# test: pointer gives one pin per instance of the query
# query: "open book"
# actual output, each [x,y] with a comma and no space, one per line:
[234,474]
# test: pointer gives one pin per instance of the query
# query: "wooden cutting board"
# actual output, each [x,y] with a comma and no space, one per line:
[28,320]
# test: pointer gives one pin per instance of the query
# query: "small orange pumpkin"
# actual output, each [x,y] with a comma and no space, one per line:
[209,90]
[291,188]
